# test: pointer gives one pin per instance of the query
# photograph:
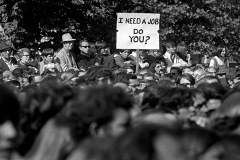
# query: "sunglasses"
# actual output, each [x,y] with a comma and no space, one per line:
[85,46]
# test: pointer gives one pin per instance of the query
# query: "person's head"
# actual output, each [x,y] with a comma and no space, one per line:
[147,142]
[158,67]
[230,105]
[155,53]
[98,111]
[47,54]
[24,54]
[178,99]
[186,80]
[84,46]
[10,116]
[25,82]
[220,51]
[175,72]
[67,41]
[124,53]
[98,75]
[5,50]
[102,47]
[171,48]
[182,49]
[213,93]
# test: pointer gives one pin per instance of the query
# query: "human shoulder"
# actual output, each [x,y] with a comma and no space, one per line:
[61,52]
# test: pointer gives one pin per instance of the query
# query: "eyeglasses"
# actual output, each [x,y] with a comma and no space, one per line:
[26,55]
[85,46]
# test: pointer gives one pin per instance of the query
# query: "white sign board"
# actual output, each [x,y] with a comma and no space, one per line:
[138,31]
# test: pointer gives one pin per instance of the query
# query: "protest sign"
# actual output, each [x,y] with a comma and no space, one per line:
[138,31]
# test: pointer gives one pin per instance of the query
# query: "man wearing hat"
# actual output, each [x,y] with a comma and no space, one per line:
[65,56]
[6,62]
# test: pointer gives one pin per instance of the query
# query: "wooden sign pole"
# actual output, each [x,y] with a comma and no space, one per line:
[137,63]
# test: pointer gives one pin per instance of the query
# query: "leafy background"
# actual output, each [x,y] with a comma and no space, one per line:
[201,24]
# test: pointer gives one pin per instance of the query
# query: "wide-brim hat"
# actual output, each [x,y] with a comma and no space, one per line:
[67,38]
[4,46]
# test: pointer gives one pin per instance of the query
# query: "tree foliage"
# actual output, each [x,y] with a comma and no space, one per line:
[200,23]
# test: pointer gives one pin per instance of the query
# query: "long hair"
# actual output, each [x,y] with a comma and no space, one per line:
[53,143]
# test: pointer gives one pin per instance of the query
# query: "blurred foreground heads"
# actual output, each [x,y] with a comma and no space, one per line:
[9,119]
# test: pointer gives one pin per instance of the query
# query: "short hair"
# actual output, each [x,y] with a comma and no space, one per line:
[20,51]
[176,98]
[84,40]
[100,44]
[47,51]
[95,72]
[187,76]
[169,44]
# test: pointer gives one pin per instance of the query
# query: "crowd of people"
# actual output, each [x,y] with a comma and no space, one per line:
[105,104]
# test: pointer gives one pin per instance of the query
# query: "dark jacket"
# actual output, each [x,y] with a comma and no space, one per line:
[108,61]
[85,61]
[120,61]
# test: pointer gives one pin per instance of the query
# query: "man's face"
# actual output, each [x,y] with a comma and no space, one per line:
[119,124]
[25,57]
[49,58]
[171,49]
[85,46]
[68,45]
[8,134]
[124,54]
[159,66]
[6,54]
[105,51]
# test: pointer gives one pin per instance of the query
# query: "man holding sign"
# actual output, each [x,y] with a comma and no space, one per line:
[138,31]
